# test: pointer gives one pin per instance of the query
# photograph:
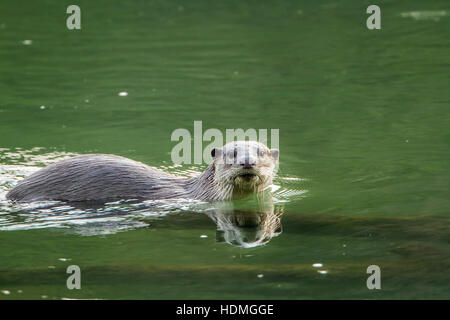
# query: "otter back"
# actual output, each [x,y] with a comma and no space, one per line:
[97,177]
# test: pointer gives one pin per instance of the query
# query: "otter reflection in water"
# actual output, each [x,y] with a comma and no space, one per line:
[249,227]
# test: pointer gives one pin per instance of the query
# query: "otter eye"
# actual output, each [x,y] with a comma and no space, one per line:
[232,153]
[262,153]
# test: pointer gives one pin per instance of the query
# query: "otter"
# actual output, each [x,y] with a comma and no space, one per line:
[238,169]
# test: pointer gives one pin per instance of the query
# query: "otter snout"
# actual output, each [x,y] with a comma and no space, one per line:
[247,162]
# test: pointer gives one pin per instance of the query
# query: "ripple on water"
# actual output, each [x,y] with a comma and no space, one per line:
[109,219]
[434,15]
[287,190]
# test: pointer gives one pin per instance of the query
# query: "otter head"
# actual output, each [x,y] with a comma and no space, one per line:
[244,166]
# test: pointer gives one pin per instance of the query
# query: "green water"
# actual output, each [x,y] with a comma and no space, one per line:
[364,139]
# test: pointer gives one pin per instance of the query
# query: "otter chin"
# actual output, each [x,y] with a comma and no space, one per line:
[247,177]
[238,169]
[245,183]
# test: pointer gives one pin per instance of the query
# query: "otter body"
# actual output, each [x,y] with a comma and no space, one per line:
[238,169]
[95,177]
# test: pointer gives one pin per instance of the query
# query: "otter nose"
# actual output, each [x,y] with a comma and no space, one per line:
[248,163]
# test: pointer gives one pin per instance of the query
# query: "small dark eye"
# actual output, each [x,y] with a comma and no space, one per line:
[262,153]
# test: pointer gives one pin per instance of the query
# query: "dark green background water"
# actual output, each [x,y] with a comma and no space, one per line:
[364,129]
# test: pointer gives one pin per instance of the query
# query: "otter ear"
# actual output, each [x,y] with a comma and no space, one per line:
[274,153]
[216,152]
